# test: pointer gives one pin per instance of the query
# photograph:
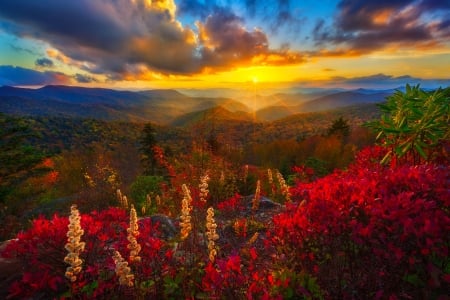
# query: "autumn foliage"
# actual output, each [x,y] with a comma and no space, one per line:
[370,232]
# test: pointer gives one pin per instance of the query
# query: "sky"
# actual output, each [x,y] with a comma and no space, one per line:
[150,44]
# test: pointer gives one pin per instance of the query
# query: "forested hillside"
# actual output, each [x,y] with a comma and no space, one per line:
[314,206]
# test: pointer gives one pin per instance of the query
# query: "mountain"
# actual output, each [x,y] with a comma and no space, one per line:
[341,99]
[159,106]
[302,103]
[272,113]
[217,114]
[172,107]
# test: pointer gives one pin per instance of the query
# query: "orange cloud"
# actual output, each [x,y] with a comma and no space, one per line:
[116,38]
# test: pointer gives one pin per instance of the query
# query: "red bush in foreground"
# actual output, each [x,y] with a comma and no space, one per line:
[41,248]
[372,231]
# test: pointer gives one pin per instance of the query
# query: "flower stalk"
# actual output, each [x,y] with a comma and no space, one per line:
[74,246]
[123,270]
[203,186]
[211,234]
[133,233]
[185,217]
[256,198]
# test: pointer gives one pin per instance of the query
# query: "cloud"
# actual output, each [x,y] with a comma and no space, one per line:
[107,36]
[365,26]
[44,63]
[115,38]
[81,78]
[386,81]
[277,16]
[11,75]
[227,42]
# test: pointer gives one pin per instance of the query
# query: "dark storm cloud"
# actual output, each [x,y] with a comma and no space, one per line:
[44,63]
[358,14]
[226,39]
[10,75]
[227,42]
[364,26]
[80,20]
[123,37]
[108,35]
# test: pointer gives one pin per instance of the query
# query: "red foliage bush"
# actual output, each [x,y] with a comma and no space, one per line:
[41,249]
[231,205]
[372,231]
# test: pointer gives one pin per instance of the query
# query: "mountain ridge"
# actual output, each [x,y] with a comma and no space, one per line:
[169,106]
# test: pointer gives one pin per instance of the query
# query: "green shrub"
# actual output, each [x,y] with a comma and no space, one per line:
[415,124]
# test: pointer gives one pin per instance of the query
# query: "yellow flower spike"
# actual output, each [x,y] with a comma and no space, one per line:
[74,246]
[203,186]
[122,270]
[133,233]
[185,217]
[211,233]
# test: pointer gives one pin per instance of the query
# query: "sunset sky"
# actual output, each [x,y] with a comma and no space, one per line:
[137,44]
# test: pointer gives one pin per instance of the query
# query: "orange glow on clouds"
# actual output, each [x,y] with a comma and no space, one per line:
[382,17]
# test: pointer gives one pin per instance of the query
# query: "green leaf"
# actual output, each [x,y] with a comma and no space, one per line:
[380,134]
[89,288]
[386,158]
[420,150]
[404,149]
[413,279]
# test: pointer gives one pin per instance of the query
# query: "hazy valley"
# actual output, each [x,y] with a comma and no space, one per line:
[170,107]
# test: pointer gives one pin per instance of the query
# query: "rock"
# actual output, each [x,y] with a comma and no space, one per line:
[264,203]
[165,225]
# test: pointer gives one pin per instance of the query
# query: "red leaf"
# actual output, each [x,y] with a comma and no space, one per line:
[253,253]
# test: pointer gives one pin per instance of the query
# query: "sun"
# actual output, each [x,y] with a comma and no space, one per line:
[255,80]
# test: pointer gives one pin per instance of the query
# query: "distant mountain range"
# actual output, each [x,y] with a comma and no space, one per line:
[175,108]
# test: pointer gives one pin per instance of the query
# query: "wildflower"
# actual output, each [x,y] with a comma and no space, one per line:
[123,200]
[74,246]
[256,198]
[284,187]
[269,176]
[148,200]
[89,180]
[240,227]
[133,233]
[211,233]
[112,179]
[203,186]
[187,194]
[253,238]
[185,217]
[122,270]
